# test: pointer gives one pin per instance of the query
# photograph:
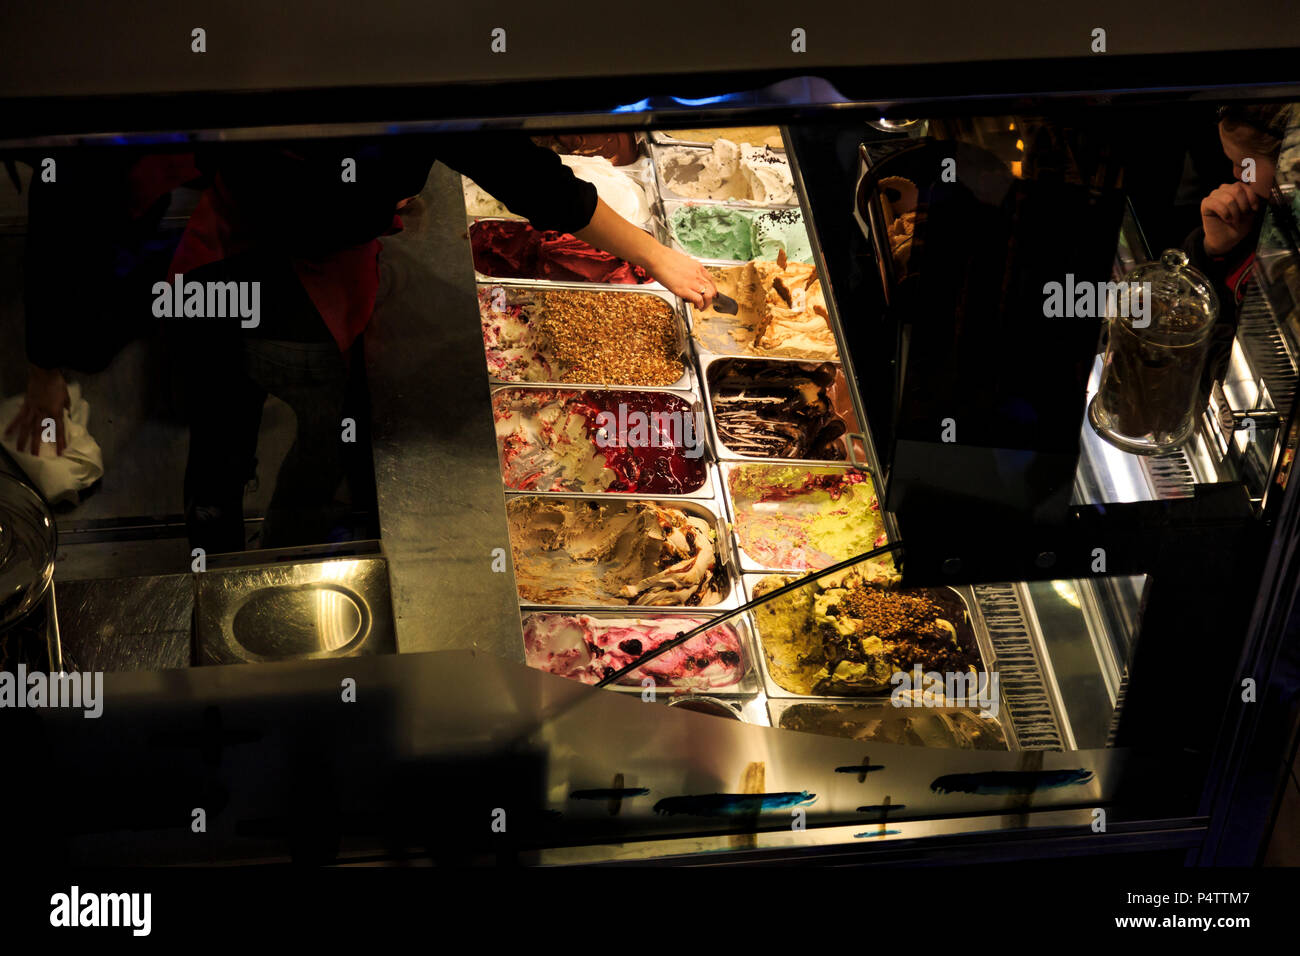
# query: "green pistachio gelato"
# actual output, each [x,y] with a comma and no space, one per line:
[723,232]
[714,232]
[781,229]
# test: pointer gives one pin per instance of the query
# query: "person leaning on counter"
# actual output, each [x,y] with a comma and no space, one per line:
[283,215]
[1232,217]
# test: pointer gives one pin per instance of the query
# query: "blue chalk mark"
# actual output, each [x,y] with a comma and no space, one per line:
[733,804]
[1010,781]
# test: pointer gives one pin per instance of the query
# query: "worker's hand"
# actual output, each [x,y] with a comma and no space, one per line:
[47,397]
[683,276]
[1228,215]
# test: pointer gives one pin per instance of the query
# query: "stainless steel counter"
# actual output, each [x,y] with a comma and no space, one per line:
[441,507]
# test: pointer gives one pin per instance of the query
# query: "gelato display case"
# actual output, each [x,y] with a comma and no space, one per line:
[846,574]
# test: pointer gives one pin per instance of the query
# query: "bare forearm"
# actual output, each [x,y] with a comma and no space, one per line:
[614,234]
[675,271]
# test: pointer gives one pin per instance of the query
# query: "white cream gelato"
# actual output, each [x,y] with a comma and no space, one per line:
[727,170]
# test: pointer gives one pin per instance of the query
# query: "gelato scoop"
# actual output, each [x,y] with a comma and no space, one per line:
[585,551]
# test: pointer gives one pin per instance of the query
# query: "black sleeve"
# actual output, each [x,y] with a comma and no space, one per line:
[294,199]
[81,302]
[530,179]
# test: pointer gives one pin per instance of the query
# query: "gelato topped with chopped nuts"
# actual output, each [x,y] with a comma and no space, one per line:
[572,336]
[851,632]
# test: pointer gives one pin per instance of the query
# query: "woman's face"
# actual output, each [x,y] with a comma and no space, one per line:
[1236,147]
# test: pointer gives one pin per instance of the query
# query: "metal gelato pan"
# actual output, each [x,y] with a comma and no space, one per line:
[563,440]
[717,334]
[773,412]
[744,212]
[674,137]
[549,575]
[666,192]
[792,518]
[512,357]
[881,722]
[476,225]
[587,643]
[956,606]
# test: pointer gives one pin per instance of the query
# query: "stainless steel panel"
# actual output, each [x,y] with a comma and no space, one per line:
[127,624]
[334,608]
[437,477]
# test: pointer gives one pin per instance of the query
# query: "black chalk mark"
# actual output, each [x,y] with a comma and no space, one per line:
[861,769]
[882,807]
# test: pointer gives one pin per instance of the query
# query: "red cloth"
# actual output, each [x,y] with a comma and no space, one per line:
[157,174]
[342,285]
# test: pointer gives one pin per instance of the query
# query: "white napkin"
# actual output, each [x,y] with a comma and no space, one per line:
[59,477]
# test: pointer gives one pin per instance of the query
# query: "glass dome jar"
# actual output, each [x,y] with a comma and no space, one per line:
[1159,334]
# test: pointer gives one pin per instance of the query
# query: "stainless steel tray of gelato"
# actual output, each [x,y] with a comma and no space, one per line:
[753,135]
[791,518]
[623,148]
[511,250]
[842,640]
[781,410]
[734,233]
[619,441]
[783,313]
[587,644]
[582,336]
[724,172]
[880,722]
[610,551]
